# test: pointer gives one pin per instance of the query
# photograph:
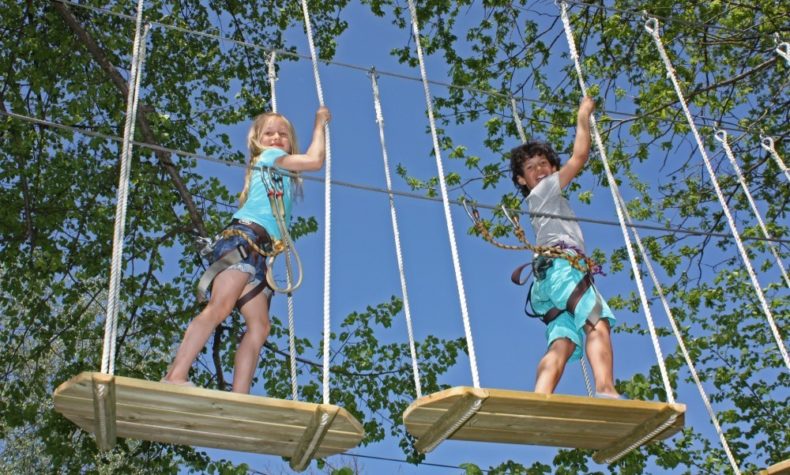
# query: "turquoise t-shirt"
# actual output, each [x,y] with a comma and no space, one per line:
[257,207]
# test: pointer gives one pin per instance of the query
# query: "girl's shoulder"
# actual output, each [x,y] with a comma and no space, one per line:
[268,156]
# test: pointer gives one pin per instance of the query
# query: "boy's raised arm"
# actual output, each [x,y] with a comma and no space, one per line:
[581,145]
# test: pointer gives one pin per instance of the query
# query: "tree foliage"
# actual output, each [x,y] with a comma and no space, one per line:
[69,65]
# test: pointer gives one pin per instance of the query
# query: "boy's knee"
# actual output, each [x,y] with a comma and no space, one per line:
[562,347]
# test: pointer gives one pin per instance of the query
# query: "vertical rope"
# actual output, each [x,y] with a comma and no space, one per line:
[686,356]
[291,329]
[396,233]
[783,49]
[272,75]
[651,25]
[768,144]
[327,204]
[517,119]
[586,377]
[678,336]
[619,208]
[445,200]
[721,136]
[116,265]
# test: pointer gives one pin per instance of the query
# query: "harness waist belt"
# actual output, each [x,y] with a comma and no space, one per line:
[260,231]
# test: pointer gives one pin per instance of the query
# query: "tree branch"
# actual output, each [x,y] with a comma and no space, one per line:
[145,128]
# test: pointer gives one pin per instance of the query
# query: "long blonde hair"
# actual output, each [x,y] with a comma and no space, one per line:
[256,148]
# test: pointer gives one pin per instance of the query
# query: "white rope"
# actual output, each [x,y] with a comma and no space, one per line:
[272,75]
[116,265]
[291,329]
[396,234]
[619,208]
[327,204]
[783,49]
[768,144]
[445,200]
[291,320]
[586,377]
[657,286]
[651,25]
[517,119]
[642,440]
[721,136]
[682,345]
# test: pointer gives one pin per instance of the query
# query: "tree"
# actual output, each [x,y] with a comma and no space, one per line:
[68,65]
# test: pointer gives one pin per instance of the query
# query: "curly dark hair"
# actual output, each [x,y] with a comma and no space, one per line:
[524,152]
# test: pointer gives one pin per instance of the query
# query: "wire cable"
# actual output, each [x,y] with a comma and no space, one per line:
[374,189]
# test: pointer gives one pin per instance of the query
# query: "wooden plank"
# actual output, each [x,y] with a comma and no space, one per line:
[159,423]
[485,420]
[541,419]
[781,468]
[197,416]
[312,437]
[534,437]
[455,417]
[103,390]
[642,434]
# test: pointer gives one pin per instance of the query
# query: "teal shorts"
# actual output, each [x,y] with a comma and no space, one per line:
[554,291]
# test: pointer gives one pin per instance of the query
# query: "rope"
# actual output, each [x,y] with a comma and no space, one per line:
[783,49]
[575,259]
[657,286]
[292,333]
[619,208]
[721,136]
[272,75]
[768,144]
[445,200]
[651,25]
[116,265]
[638,443]
[327,204]
[586,378]
[686,356]
[517,119]
[396,234]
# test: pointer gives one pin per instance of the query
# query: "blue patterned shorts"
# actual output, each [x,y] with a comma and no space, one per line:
[554,291]
[254,264]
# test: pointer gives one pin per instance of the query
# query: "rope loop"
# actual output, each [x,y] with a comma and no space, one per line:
[651,25]
[767,142]
[783,49]
[721,135]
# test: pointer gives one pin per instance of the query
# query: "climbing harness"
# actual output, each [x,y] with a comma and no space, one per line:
[264,246]
[578,260]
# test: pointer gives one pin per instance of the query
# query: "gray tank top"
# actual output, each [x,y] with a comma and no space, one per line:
[547,197]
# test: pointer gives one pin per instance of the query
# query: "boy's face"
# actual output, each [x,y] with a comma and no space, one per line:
[535,169]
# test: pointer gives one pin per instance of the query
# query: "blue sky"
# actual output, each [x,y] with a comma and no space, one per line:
[364,270]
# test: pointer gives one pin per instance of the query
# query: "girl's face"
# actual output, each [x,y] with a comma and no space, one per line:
[276,133]
[535,169]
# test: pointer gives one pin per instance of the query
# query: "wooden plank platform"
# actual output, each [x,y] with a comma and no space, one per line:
[556,420]
[781,468]
[201,417]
